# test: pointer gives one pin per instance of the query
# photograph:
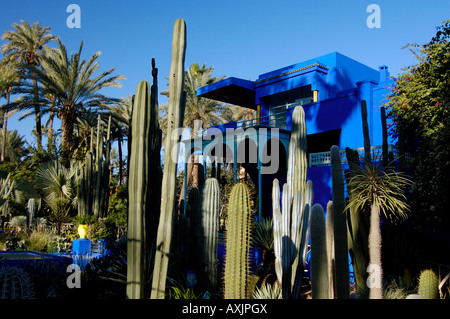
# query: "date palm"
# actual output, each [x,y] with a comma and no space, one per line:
[9,76]
[25,44]
[383,190]
[72,80]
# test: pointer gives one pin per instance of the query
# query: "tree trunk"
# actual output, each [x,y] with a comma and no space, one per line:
[5,125]
[375,280]
[37,112]
[50,128]
[119,147]
[67,126]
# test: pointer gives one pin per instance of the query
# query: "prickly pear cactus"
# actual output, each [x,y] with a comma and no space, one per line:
[238,230]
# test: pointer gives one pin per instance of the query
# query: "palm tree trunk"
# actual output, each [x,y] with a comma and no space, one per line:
[37,112]
[375,281]
[50,128]
[5,125]
[67,127]
[119,147]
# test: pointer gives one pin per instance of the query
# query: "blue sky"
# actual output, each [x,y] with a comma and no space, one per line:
[240,38]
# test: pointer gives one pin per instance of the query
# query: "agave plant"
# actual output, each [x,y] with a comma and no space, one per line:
[268,291]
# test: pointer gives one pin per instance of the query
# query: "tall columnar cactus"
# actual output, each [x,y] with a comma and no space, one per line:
[428,285]
[291,219]
[340,226]
[238,231]
[319,255]
[385,151]
[175,119]
[138,195]
[93,189]
[329,227]
[367,156]
[210,230]
[31,211]
[15,283]
[143,186]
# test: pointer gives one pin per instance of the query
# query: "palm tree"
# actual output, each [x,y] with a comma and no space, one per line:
[9,76]
[383,190]
[25,44]
[58,182]
[120,113]
[199,113]
[72,81]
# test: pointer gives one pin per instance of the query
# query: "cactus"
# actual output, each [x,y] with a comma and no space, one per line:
[367,156]
[93,189]
[428,285]
[31,211]
[15,283]
[385,137]
[291,219]
[329,227]
[210,222]
[319,255]
[238,230]
[168,188]
[137,190]
[340,226]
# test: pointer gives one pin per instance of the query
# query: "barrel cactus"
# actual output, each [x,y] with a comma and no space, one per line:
[15,283]
[428,285]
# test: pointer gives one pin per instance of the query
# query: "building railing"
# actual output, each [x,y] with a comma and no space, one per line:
[324,158]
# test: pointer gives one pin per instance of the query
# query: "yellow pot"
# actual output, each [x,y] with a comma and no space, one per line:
[82,229]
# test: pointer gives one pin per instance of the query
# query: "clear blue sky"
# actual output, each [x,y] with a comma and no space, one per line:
[240,38]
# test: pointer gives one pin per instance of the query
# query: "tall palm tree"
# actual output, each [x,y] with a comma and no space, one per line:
[25,44]
[120,113]
[199,112]
[9,76]
[76,88]
[383,190]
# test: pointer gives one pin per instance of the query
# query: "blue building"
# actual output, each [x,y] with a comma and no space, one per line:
[330,89]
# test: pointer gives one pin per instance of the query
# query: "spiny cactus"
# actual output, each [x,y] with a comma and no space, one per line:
[210,230]
[175,119]
[319,255]
[428,285]
[15,283]
[367,156]
[291,219]
[340,226]
[238,231]
[31,211]
[93,189]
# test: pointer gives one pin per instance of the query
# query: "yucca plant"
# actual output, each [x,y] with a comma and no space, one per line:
[383,190]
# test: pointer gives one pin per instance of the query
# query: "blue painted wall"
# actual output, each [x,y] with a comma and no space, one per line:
[342,83]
